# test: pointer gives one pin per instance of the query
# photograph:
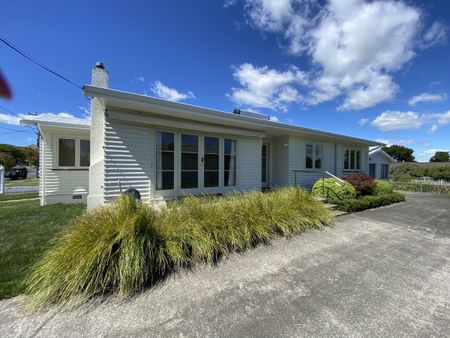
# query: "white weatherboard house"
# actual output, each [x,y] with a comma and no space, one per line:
[166,149]
[380,163]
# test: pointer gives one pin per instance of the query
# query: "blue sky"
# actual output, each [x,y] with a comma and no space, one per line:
[376,70]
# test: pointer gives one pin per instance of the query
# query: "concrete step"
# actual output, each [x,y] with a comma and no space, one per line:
[329,206]
[320,199]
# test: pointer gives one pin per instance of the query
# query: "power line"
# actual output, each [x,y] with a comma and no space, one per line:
[32,59]
[6,109]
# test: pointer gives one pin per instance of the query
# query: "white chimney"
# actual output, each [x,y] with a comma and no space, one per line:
[100,76]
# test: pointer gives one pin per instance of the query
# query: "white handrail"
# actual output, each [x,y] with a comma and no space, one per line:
[330,174]
[2,180]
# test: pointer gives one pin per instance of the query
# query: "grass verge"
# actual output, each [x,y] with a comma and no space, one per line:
[20,196]
[124,247]
[22,183]
[25,232]
[369,202]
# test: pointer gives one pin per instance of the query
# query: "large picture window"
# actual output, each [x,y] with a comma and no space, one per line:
[211,158]
[313,156]
[229,169]
[165,153]
[352,159]
[73,153]
[189,161]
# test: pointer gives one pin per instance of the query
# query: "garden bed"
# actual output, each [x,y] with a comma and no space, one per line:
[127,246]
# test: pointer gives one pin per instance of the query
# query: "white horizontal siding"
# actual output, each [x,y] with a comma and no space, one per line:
[127,159]
[249,163]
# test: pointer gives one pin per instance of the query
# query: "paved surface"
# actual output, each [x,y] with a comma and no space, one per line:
[21,189]
[383,272]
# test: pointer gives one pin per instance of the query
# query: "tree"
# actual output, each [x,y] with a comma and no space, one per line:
[7,160]
[440,156]
[400,153]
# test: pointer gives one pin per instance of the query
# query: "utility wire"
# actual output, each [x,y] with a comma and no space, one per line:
[32,59]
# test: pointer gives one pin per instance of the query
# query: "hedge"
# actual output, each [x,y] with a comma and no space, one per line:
[369,202]
[383,187]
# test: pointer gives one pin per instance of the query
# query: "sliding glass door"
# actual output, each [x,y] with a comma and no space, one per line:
[189,161]
[211,162]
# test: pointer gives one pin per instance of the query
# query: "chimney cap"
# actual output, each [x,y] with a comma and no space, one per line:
[100,65]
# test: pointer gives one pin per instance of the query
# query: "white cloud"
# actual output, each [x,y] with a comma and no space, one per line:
[443,118]
[435,35]
[58,117]
[266,88]
[335,36]
[432,129]
[395,120]
[274,119]
[171,94]
[427,97]
[390,142]
[425,155]
[363,121]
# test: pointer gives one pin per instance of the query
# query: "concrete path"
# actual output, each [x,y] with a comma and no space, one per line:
[383,272]
[21,189]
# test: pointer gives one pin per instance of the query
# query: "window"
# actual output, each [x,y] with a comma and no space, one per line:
[85,153]
[189,161]
[211,152]
[384,171]
[165,151]
[313,156]
[66,152]
[373,170]
[352,159]
[229,161]
[73,152]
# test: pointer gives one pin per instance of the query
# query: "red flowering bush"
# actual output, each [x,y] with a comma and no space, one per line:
[363,183]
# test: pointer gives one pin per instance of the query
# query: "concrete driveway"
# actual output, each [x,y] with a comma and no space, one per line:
[383,272]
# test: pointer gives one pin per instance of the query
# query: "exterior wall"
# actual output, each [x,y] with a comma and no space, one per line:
[60,185]
[332,161]
[127,159]
[378,159]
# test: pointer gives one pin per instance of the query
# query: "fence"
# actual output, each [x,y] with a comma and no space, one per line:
[422,186]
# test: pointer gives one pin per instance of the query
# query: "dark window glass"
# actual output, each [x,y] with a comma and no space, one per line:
[352,159]
[189,161]
[165,141]
[384,171]
[346,159]
[211,178]
[165,160]
[164,180]
[211,162]
[211,145]
[308,157]
[85,153]
[189,143]
[229,147]
[318,157]
[66,152]
[229,162]
[358,159]
[229,178]
[189,179]
[372,170]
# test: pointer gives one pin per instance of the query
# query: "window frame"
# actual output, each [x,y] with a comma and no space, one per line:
[78,140]
[314,147]
[355,161]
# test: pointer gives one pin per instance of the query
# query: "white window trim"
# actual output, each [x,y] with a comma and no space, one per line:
[314,144]
[349,159]
[77,151]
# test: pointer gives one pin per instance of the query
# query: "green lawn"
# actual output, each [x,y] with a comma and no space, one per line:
[26,230]
[21,183]
[21,196]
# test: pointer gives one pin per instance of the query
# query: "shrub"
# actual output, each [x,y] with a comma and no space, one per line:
[406,171]
[437,173]
[383,187]
[363,183]
[126,246]
[343,190]
[422,187]
[369,202]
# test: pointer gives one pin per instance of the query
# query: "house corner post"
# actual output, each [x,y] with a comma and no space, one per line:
[100,78]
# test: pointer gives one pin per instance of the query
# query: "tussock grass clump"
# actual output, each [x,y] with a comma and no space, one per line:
[127,246]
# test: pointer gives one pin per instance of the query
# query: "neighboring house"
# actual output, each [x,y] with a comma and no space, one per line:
[380,163]
[166,149]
